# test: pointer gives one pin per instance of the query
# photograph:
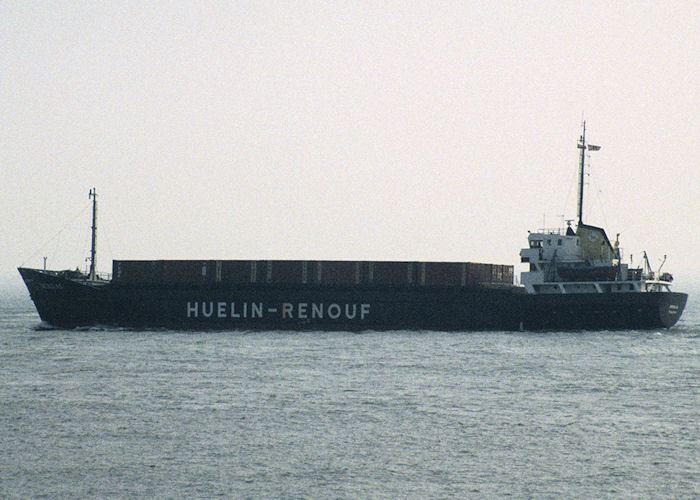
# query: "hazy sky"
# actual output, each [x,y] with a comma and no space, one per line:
[344,130]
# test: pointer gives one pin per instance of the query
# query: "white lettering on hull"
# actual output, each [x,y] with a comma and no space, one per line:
[192,309]
[207,312]
[286,310]
[333,311]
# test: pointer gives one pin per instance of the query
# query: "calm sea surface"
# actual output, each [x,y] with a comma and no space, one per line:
[128,414]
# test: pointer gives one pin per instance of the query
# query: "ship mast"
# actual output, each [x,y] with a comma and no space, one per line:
[93,247]
[583,147]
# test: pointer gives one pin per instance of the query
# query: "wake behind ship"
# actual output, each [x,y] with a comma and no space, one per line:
[576,280]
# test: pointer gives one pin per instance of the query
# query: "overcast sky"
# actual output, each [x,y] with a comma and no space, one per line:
[344,130]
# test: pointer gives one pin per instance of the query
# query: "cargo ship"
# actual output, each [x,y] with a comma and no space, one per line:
[575,281]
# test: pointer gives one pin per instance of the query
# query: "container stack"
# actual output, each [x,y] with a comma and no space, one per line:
[312,272]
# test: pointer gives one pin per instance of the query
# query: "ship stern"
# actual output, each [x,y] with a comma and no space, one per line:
[671,306]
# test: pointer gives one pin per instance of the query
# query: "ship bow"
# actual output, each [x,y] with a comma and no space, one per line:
[60,301]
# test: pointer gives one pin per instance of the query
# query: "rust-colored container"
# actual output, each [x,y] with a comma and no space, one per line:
[189,271]
[478,273]
[288,271]
[236,272]
[336,272]
[391,273]
[502,274]
[136,271]
[451,274]
[489,273]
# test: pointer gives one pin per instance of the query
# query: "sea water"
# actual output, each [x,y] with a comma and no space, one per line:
[107,413]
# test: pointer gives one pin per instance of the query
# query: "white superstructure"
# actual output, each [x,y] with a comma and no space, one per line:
[558,264]
[583,261]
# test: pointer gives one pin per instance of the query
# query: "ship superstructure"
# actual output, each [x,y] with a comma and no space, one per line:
[564,261]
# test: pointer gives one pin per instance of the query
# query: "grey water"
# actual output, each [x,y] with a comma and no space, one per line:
[111,413]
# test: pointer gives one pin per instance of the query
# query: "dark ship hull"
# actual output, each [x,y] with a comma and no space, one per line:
[603,311]
[67,302]
[365,295]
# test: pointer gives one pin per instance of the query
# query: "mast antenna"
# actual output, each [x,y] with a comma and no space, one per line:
[583,147]
[93,248]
